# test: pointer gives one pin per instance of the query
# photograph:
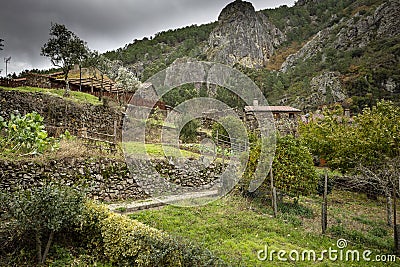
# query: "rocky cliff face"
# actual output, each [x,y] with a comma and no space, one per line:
[324,89]
[243,36]
[356,32]
[360,30]
[312,47]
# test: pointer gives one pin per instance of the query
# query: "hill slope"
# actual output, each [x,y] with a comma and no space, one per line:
[314,53]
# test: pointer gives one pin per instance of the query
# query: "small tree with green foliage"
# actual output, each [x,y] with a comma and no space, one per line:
[189,131]
[369,139]
[64,48]
[363,147]
[293,168]
[43,211]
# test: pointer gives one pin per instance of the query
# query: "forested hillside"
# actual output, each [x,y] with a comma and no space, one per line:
[148,56]
[331,51]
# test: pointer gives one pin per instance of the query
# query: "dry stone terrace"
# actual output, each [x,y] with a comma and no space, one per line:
[106,179]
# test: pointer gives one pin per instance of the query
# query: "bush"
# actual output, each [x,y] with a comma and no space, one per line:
[189,131]
[293,169]
[42,211]
[24,134]
[129,242]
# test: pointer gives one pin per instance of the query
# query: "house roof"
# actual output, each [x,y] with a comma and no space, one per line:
[271,109]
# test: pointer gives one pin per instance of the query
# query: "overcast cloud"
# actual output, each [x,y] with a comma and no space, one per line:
[103,24]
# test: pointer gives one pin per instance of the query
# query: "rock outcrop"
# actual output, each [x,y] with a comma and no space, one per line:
[356,32]
[312,47]
[243,36]
[324,89]
[360,30]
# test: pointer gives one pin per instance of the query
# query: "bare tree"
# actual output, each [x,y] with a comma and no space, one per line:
[383,179]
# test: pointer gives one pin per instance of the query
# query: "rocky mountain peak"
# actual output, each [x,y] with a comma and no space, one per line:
[243,36]
[235,10]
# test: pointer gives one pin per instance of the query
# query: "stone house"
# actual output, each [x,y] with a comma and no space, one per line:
[286,118]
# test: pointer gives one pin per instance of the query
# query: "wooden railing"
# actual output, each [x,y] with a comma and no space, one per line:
[101,141]
[91,139]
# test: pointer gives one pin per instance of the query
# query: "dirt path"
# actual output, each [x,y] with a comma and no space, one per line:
[188,199]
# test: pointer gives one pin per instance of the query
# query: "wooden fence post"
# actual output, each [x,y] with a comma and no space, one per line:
[395,226]
[324,217]
[115,132]
[273,194]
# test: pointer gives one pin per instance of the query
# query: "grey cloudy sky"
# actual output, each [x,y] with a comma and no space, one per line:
[103,24]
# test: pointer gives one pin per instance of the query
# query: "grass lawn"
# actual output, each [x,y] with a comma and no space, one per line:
[155,150]
[78,97]
[235,228]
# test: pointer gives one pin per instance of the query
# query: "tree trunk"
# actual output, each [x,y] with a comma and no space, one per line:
[38,247]
[101,87]
[389,209]
[46,251]
[80,78]
[66,93]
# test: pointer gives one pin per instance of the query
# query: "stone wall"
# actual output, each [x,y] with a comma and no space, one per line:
[284,123]
[60,112]
[104,179]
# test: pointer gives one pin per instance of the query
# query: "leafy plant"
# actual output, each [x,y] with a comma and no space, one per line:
[370,139]
[293,167]
[24,134]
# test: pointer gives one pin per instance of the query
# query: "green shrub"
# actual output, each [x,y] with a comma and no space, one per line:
[42,211]
[189,131]
[24,134]
[293,169]
[131,243]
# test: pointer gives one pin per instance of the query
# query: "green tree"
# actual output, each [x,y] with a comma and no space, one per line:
[293,168]
[367,147]
[189,131]
[369,139]
[64,48]
[43,210]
